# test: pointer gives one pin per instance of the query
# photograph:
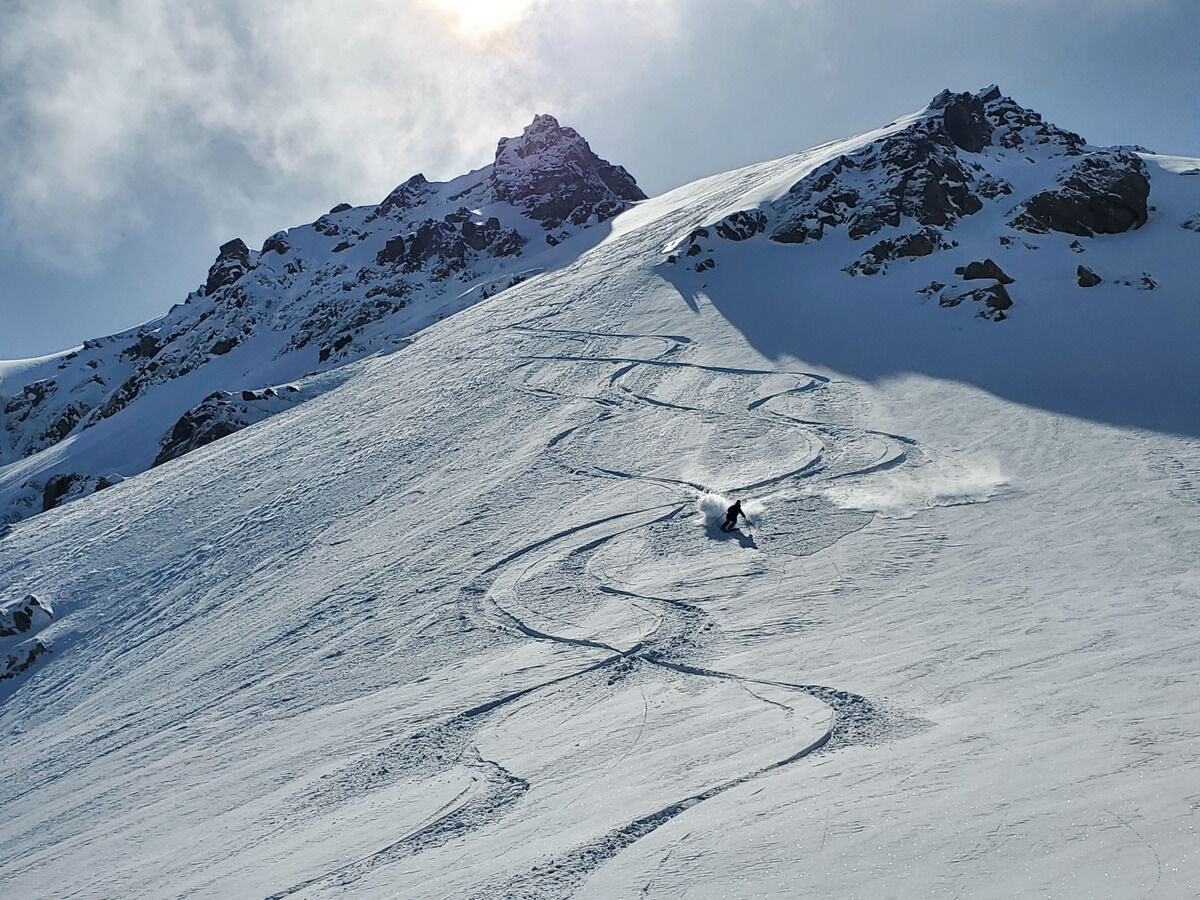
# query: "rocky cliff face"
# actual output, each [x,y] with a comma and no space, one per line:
[355,281]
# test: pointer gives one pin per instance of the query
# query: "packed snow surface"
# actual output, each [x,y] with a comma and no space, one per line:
[462,627]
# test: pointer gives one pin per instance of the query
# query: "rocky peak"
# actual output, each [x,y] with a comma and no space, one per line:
[405,197]
[552,174]
[926,172]
[233,261]
[964,118]
[540,135]
[912,187]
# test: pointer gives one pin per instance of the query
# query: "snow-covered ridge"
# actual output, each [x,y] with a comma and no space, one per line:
[312,298]
[911,185]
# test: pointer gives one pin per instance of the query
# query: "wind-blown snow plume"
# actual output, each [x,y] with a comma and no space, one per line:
[901,493]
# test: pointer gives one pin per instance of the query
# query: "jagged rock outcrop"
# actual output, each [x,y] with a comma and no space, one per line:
[964,118]
[995,299]
[1086,277]
[220,415]
[924,172]
[403,198]
[1105,193]
[983,269]
[907,246]
[20,616]
[552,174]
[448,246]
[71,485]
[919,183]
[233,261]
[20,620]
[741,226]
[276,243]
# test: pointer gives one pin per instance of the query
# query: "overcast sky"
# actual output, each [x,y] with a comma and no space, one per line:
[138,135]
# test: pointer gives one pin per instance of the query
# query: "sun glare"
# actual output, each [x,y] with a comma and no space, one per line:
[483,16]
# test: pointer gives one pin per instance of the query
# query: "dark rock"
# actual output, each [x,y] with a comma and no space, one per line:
[57,487]
[1105,193]
[146,347]
[985,269]
[202,425]
[342,245]
[1086,277]
[21,658]
[17,617]
[966,122]
[991,187]
[66,421]
[31,396]
[341,207]
[221,347]
[403,198]
[995,299]
[552,174]
[917,175]
[323,225]
[276,243]
[509,244]
[233,261]
[393,251]
[741,226]
[921,243]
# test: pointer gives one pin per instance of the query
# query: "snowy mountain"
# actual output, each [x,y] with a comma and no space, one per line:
[356,281]
[454,617]
[916,184]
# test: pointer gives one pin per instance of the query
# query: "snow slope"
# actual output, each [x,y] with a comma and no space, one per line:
[458,626]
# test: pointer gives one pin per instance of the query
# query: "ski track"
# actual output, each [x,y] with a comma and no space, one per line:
[671,638]
[680,628]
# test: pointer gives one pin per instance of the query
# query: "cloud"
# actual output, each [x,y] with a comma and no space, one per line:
[105,106]
[261,115]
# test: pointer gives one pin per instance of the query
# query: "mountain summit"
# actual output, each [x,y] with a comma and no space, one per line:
[913,184]
[552,174]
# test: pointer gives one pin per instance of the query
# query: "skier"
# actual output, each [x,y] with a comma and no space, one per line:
[731,516]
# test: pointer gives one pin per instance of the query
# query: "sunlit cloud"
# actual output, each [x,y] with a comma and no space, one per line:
[106,105]
[483,17]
